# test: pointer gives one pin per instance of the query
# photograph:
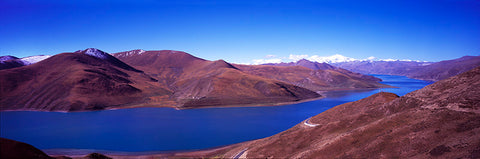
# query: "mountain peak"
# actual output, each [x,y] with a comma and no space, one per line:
[96,53]
[34,59]
[8,57]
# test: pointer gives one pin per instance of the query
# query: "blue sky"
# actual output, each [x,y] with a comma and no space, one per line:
[241,31]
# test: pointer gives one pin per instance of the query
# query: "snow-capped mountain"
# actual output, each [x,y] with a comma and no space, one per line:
[7,62]
[96,53]
[6,58]
[331,59]
[132,52]
[34,59]
[337,58]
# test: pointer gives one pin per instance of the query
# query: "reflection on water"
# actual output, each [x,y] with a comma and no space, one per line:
[166,129]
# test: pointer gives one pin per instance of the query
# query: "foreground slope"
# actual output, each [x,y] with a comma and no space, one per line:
[14,149]
[196,82]
[84,80]
[440,120]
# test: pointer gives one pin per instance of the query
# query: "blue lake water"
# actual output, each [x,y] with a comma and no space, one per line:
[166,129]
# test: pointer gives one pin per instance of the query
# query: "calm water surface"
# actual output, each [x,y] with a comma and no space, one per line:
[166,129]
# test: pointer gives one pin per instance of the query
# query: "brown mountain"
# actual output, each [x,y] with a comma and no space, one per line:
[93,80]
[329,78]
[440,120]
[419,70]
[85,80]
[7,62]
[197,82]
[444,69]
[306,63]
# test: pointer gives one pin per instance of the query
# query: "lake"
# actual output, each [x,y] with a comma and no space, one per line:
[165,129]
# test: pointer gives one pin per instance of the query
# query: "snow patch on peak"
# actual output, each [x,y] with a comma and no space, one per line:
[96,53]
[34,59]
[132,52]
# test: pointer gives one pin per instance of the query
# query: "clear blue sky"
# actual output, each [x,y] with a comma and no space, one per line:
[239,31]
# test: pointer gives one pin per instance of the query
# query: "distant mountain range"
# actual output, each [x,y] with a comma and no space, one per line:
[314,76]
[7,62]
[431,71]
[94,80]
[414,69]
[440,120]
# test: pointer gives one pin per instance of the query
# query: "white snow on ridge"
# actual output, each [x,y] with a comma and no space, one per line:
[34,59]
[133,52]
[331,59]
[337,58]
[96,53]
[6,58]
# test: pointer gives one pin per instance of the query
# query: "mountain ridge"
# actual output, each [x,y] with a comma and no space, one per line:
[418,70]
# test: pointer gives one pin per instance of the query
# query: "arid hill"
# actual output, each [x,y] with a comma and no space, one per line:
[444,69]
[197,82]
[170,66]
[7,62]
[94,80]
[440,120]
[85,80]
[328,78]
[413,69]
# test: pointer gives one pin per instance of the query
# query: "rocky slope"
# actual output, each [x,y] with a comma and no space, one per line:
[440,120]
[419,70]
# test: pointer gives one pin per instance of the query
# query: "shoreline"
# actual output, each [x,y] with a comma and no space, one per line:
[173,107]
[79,153]
[322,93]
